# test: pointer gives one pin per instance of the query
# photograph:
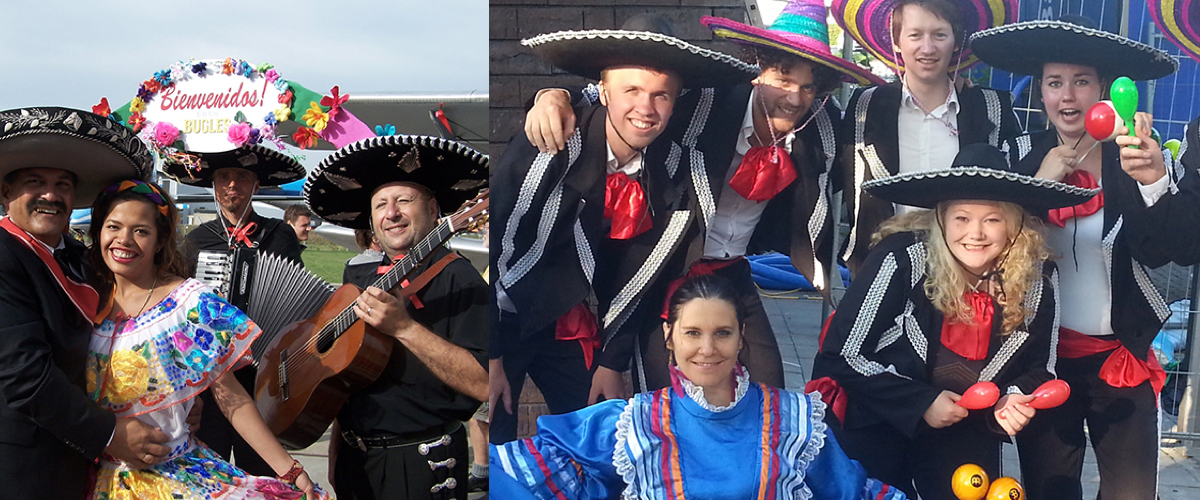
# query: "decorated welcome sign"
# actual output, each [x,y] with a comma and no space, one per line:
[215,105]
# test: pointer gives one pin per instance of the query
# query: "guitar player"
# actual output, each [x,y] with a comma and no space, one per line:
[402,436]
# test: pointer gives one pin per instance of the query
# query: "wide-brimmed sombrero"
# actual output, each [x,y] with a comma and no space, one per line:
[339,189]
[869,22]
[1024,48]
[801,30]
[587,53]
[1179,21]
[979,172]
[99,151]
[273,167]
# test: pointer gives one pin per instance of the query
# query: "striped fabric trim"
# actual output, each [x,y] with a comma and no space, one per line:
[992,98]
[1007,349]
[631,290]
[860,167]
[586,260]
[672,478]
[541,462]
[852,350]
[673,157]
[1052,363]
[769,470]
[820,212]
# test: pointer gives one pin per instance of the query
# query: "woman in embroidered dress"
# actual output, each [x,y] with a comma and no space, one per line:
[712,435]
[1145,216]
[161,340]
[949,297]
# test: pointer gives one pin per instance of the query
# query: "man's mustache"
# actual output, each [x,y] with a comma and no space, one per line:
[50,205]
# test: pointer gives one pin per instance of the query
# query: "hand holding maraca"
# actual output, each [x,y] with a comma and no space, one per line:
[1145,163]
[1013,412]
[944,411]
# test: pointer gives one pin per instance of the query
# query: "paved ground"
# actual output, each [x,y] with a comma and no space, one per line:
[796,320]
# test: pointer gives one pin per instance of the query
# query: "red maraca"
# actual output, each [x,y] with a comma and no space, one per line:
[1102,121]
[979,396]
[1051,394]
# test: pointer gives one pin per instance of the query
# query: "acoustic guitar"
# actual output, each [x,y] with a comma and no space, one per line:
[309,370]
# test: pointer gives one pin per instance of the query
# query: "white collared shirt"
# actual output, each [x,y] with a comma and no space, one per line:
[631,168]
[736,217]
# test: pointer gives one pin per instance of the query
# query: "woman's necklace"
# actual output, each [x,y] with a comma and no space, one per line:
[148,295]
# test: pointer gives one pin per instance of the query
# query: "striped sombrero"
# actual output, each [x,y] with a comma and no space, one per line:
[273,167]
[869,22]
[1179,21]
[801,30]
[1024,48]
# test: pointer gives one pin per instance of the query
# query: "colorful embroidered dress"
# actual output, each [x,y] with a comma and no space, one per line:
[151,367]
[672,444]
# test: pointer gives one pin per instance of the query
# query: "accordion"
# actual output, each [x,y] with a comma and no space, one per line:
[273,291]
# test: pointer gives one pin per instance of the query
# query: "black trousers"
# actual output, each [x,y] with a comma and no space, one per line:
[403,472]
[924,463]
[219,435]
[557,368]
[761,352]
[1123,424]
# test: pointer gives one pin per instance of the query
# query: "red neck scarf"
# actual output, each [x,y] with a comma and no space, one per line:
[242,235]
[1083,179]
[763,173]
[625,205]
[971,340]
[83,297]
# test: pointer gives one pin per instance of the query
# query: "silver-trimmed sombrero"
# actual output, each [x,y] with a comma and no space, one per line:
[98,150]
[979,172]
[273,167]
[1024,48]
[339,189]
[587,53]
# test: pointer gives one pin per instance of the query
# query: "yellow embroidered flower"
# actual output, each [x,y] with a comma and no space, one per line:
[129,374]
[283,113]
[137,105]
[316,118]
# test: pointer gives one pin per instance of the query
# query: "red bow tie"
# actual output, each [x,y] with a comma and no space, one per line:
[971,341]
[242,234]
[384,269]
[1083,179]
[763,173]
[625,205]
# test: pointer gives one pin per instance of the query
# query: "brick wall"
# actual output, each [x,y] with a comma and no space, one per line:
[516,74]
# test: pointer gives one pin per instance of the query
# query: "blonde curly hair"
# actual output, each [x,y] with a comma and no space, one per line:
[947,282]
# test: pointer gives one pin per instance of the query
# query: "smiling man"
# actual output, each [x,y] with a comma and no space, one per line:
[50,430]
[235,177]
[582,234]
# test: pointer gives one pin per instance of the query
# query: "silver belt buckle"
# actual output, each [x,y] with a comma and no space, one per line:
[354,440]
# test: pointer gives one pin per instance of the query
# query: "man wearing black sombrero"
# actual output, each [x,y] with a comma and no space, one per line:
[235,177]
[767,151]
[402,436]
[53,160]
[582,236]
[1143,218]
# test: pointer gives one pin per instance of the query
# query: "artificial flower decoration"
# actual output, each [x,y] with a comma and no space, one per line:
[144,93]
[334,103]
[255,136]
[163,77]
[315,117]
[245,69]
[199,67]
[286,98]
[152,86]
[283,113]
[385,129]
[281,85]
[227,66]
[165,134]
[270,119]
[264,67]
[239,134]
[178,72]
[102,109]
[137,105]
[305,137]
[136,120]
[271,75]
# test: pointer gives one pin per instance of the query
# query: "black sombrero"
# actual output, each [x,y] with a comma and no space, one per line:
[979,172]
[339,189]
[273,167]
[99,151]
[587,53]
[1024,48]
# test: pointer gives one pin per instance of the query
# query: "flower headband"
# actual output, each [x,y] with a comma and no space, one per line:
[150,191]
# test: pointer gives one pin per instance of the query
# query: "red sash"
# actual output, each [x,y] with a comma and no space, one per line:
[1122,368]
[579,324]
[700,268]
[832,394]
[83,296]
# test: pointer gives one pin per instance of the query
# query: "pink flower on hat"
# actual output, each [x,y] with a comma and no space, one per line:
[165,134]
[239,133]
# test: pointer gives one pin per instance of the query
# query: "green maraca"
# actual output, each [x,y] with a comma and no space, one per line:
[1124,95]
[1173,145]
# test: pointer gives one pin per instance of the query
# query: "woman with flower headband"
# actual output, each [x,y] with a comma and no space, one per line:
[698,438]
[948,297]
[162,339]
[1110,310]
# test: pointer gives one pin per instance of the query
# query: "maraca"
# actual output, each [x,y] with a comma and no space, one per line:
[1051,394]
[1124,95]
[979,396]
[1102,121]
[1173,145]
[1005,488]
[969,482]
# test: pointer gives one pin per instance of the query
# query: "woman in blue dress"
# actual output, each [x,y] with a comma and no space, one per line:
[712,435]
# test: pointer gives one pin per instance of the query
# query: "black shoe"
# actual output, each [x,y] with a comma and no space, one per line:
[476,483]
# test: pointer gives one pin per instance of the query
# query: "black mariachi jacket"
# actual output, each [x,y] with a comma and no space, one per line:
[870,141]
[883,339]
[1135,236]
[551,249]
[270,236]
